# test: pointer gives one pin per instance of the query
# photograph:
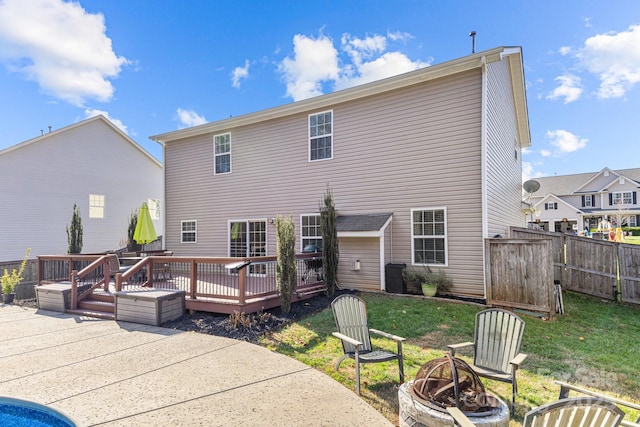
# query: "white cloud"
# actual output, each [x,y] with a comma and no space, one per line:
[399,36]
[565,141]
[189,118]
[61,47]
[317,62]
[564,50]
[545,153]
[88,113]
[314,61]
[570,88]
[239,73]
[615,58]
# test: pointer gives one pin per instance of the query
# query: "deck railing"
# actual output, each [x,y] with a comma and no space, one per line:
[213,284]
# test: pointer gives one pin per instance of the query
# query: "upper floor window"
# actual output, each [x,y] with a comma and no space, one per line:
[154,208]
[551,206]
[96,206]
[622,198]
[589,201]
[321,136]
[189,232]
[311,231]
[429,236]
[222,153]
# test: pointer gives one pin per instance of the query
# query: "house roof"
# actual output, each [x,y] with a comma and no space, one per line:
[474,61]
[99,118]
[362,223]
[567,184]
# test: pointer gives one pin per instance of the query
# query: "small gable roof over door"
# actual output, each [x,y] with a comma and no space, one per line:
[367,225]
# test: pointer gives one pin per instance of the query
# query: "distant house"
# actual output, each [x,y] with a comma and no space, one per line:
[91,163]
[423,166]
[572,203]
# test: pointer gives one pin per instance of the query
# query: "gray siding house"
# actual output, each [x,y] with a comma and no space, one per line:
[423,166]
[91,163]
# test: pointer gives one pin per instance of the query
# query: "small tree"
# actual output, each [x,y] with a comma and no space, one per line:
[330,252]
[286,274]
[74,232]
[132,245]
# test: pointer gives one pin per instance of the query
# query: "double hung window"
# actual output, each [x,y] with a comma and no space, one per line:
[189,232]
[429,236]
[222,153]
[321,136]
[311,232]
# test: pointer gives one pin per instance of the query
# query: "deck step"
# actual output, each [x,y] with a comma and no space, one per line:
[93,313]
[97,305]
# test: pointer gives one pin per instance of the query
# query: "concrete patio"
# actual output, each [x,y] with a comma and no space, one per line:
[102,372]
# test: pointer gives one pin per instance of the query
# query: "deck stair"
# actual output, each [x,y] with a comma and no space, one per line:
[100,305]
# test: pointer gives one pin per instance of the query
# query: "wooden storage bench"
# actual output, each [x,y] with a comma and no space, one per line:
[56,296]
[149,306]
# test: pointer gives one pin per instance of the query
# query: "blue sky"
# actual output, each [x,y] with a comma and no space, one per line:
[161,65]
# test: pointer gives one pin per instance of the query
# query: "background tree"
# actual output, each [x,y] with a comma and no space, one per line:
[74,232]
[132,245]
[286,272]
[330,252]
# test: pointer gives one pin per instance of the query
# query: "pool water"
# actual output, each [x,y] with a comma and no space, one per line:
[20,413]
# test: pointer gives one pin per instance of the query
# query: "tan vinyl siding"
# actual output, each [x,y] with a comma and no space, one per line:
[367,250]
[503,156]
[416,147]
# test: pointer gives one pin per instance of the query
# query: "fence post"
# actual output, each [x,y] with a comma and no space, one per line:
[74,290]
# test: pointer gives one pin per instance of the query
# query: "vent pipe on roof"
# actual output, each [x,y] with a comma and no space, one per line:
[49,129]
[472,34]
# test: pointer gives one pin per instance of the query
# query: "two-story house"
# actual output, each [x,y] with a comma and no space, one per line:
[92,164]
[423,167]
[573,203]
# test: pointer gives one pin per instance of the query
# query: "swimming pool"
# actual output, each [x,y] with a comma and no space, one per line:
[20,413]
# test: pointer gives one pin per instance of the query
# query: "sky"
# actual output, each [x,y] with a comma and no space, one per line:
[154,66]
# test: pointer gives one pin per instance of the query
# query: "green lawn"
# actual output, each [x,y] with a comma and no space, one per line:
[595,344]
[635,240]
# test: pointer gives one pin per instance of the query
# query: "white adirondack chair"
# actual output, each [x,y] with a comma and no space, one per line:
[496,347]
[574,412]
[350,314]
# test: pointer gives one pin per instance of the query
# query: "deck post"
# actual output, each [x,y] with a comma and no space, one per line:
[194,279]
[74,290]
[107,273]
[242,285]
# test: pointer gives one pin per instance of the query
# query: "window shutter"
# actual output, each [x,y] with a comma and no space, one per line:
[583,201]
[593,200]
[546,206]
[555,205]
[610,199]
[634,198]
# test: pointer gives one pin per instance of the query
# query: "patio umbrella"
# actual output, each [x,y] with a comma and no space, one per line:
[145,231]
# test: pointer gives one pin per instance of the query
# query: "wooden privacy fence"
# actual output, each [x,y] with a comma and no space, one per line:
[24,290]
[592,266]
[519,274]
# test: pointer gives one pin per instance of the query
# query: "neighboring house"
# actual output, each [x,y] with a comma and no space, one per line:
[423,166]
[573,203]
[91,163]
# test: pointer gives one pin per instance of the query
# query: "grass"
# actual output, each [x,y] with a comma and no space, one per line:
[634,240]
[595,345]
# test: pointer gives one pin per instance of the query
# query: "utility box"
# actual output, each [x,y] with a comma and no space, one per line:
[393,278]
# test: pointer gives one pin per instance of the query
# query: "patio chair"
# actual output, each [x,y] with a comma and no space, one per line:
[496,347]
[350,314]
[575,411]
[115,267]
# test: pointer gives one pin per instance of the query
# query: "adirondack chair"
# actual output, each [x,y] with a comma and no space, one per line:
[496,345]
[350,314]
[575,411]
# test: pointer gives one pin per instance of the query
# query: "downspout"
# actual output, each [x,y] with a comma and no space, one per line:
[483,163]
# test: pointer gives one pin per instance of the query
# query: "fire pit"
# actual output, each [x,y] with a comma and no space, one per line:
[446,382]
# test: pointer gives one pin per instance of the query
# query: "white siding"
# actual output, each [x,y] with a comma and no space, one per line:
[44,178]
[503,162]
[416,147]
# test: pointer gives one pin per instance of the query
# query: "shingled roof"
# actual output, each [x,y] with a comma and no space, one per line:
[360,223]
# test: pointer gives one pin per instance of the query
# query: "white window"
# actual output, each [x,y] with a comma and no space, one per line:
[189,232]
[154,208]
[551,206]
[429,236]
[222,153]
[311,233]
[587,201]
[625,198]
[321,136]
[96,206]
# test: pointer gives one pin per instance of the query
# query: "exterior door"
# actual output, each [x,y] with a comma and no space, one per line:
[249,239]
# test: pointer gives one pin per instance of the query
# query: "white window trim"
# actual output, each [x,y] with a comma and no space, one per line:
[302,237]
[309,135]
[445,237]
[266,232]
[215,155]
[621,194]
[93,208]
[194,231]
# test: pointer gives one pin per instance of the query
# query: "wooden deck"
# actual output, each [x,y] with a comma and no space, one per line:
[217,285]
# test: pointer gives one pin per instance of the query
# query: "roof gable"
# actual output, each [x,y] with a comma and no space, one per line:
[598,181]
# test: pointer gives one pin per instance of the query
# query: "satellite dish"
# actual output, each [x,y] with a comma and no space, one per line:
[531,186]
